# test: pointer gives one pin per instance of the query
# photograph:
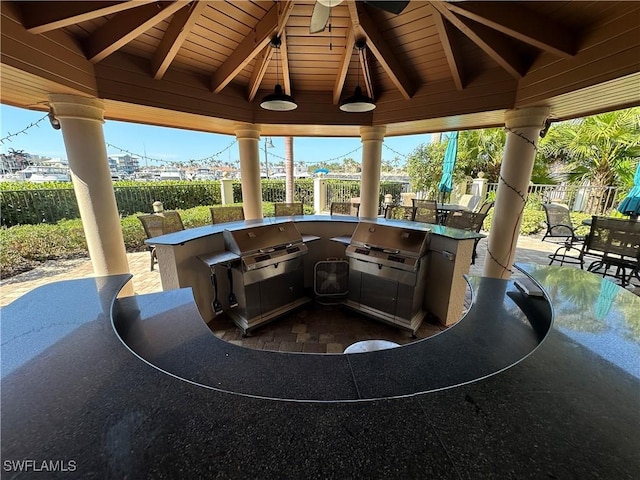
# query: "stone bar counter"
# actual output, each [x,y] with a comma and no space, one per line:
[139,387]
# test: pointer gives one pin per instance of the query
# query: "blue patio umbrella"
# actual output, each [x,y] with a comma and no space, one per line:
[631,203]
[321,170]
[446,182]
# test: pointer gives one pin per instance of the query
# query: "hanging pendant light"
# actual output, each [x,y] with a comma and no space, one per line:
[358,102]
[278,101]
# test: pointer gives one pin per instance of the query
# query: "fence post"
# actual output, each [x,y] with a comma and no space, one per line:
[226,190]
[479,186]
[319,195]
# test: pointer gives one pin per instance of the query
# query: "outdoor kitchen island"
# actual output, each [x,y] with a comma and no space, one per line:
[220,261]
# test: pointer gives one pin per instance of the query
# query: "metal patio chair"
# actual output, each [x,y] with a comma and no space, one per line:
[345,208]
[467,221]
[425,211]
[560,229]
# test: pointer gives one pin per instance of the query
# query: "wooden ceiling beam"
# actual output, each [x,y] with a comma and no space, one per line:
[284,63]
[380,49]
[519,22]
[41,17]
[490,41]
[174,37]
[273,23]
[125,26]
[451,49]
[338,86]
[259,71]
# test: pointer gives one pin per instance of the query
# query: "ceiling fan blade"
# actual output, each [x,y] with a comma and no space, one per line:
[319,18]
[388,6]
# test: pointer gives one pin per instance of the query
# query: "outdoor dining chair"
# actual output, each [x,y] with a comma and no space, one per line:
[345,208]
[288,209]
[560,229]
[465,220]
[485,207]
[157,224]
[398,212]
[425,211]
[226,214]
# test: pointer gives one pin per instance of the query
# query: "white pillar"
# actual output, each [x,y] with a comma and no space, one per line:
[523,132]
[372,138]
[248,136]
[479,186]
[81,120]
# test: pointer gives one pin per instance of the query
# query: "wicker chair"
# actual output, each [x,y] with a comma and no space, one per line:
[158,224]
[226,214]
[560,229]
[288,209]
[398,212]
[425,211]
[615,243]
[345,208]
[467,221]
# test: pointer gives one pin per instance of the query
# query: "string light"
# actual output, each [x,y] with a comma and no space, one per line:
[23,131]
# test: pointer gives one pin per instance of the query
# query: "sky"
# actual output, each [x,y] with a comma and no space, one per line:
[175,145]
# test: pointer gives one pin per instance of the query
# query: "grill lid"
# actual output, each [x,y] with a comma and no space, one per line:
[390,240]
[265,245]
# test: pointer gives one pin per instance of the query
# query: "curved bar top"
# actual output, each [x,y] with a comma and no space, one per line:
[484,345]
[188,235]
[72,391]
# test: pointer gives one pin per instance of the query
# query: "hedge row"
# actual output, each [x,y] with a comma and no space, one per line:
[24,203]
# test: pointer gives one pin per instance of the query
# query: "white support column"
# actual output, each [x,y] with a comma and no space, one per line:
[523,132]
[248,136]
[81,120]
[372,138]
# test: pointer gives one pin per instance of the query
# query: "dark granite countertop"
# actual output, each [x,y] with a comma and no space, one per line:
[188,235]
[75,393]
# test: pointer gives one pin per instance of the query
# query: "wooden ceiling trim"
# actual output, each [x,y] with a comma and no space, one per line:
[389,61]
[521,23]
[491,42]
[451,49]
[40,17]
[611,42]
[175,36]
[246,51]
[585,75]
[124,27]
[51,56]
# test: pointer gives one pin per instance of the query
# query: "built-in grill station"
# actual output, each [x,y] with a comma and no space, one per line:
[387,272]
[265,273]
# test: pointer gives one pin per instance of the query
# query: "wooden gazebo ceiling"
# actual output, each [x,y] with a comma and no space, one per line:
[435,66]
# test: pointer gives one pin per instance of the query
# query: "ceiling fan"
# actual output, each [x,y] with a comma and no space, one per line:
[322,11]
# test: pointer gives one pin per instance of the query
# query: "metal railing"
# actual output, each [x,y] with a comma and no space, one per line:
[345,190]
[586,199]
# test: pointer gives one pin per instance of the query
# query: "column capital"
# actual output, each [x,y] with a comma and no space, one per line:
[247,130]
[75,106]
[526,117]
[373,133]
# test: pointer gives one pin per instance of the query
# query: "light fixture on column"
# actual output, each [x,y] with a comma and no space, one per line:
[278,100]
[358,102]
[55,123]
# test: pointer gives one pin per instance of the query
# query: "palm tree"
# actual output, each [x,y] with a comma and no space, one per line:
[599,150]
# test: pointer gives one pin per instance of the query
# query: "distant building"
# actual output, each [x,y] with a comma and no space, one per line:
[124,163]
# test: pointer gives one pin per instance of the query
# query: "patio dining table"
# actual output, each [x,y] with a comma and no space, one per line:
[444,209]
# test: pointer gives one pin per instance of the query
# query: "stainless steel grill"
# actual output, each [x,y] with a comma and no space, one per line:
[387,267]
[269,278]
